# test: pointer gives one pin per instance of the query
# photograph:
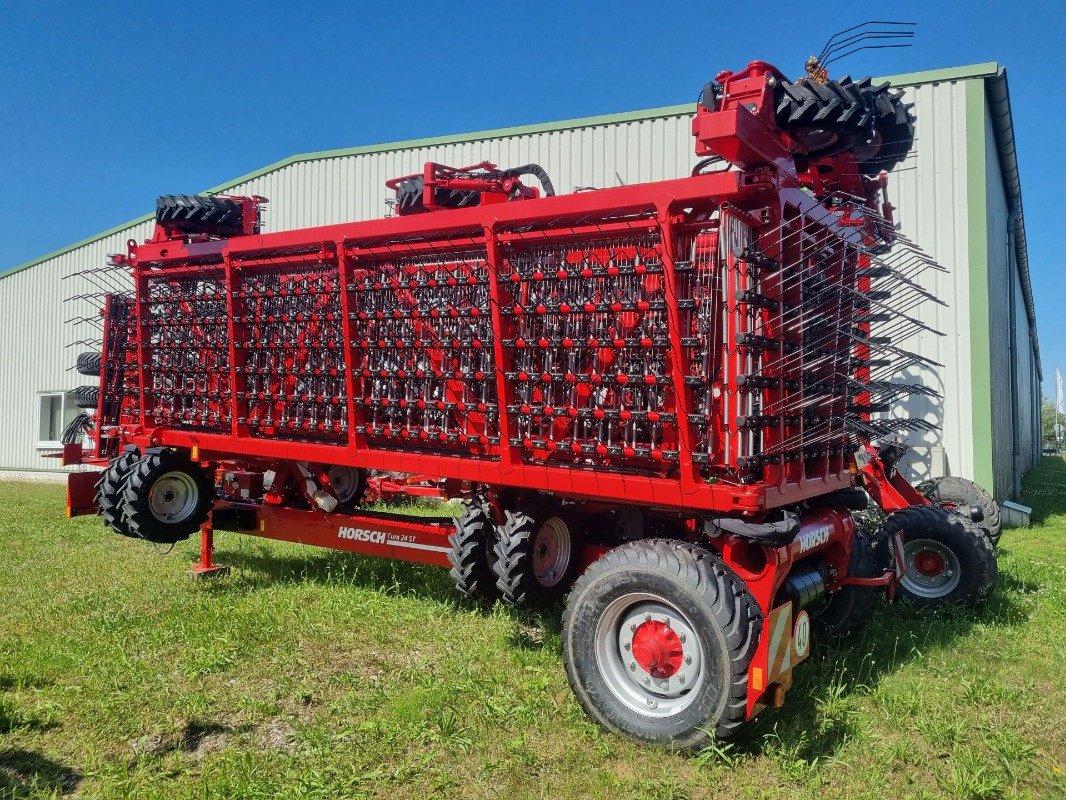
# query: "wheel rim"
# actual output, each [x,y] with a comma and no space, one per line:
[649,655]
[932,569]
[173,497]
[551,552]
[821,141]
[345,482]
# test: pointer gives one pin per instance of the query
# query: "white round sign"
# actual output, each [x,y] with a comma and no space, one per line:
[801,635]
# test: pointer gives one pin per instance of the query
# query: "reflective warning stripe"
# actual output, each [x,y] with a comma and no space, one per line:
[416,546]
[779,653]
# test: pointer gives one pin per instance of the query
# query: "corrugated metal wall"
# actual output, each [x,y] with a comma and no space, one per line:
[38,350]
[929,190]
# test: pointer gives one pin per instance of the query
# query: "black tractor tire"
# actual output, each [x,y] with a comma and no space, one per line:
[948,558]
[472,553]
[871,121]
[166,497]
[538,554]
[89,364]
[959,494]
[87,396]
[109,491]
[657,639]
[893,131]
[349,484]
[196,213]
[847,610]
[823,118]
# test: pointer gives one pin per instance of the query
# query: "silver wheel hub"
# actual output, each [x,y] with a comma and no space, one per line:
[173,497]
[649,655]
[932,568]
[345,483]
[552,548]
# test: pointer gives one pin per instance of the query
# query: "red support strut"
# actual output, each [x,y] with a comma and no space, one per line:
[206,566]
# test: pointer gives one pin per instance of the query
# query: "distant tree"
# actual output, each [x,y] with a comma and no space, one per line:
[1048,418]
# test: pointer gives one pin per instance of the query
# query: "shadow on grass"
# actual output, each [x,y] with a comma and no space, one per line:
[259,565]
[1044,488]
[25,774]
[816,720]
[11,717]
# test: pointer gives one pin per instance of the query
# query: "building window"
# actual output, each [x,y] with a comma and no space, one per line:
[55,410]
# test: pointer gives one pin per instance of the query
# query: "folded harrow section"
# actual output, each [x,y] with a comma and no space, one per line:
[289,354]
[588,351]
[185,349]
[422,342]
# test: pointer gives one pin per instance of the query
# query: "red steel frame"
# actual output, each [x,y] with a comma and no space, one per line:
[660,206]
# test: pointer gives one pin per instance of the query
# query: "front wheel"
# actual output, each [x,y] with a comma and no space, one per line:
[109,491]
[657,639]
[349,484]
[947,559]
[166,497]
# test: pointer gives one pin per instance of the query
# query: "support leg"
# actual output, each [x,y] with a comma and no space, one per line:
[206,566]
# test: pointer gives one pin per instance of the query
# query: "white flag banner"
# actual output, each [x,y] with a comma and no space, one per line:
[1059,409]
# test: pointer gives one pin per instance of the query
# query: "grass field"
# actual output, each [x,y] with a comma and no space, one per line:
[309,673]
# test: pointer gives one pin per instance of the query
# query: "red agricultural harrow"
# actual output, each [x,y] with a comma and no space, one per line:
[664,401]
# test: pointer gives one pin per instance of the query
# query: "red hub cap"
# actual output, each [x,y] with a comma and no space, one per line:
[657,649]
[929,562]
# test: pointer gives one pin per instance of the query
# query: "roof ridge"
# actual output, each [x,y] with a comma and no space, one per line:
[981,70]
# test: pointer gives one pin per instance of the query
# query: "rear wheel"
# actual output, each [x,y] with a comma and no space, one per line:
[166,497]
[657,639]
[959,494]
[348,484]
[538,554]
[109,491]
[471,553]
[947,558]
[849,609]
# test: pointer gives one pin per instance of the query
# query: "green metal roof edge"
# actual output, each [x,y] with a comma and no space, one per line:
[904,79]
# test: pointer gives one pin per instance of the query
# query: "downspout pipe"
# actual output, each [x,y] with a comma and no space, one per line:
[1012,315]
[998,94]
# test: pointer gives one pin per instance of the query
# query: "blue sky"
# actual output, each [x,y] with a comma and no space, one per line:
[107,105]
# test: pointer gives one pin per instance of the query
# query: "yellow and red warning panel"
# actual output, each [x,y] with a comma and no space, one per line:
[786,641]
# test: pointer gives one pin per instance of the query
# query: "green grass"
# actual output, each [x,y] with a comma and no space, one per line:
[310,673]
